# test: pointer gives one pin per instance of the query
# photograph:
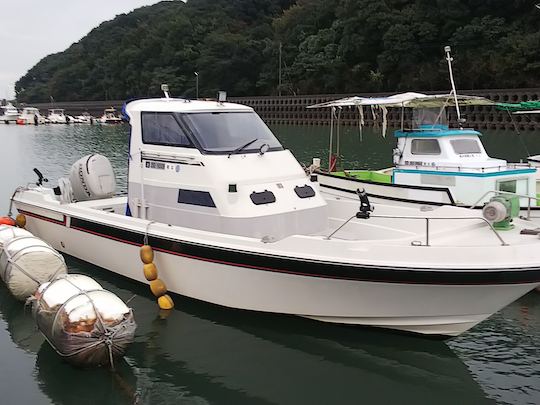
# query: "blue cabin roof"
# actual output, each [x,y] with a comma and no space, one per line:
[433,131]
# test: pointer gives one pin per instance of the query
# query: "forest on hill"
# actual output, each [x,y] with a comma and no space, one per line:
[328,46]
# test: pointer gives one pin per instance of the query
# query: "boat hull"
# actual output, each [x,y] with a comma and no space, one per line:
[6,119]
[448,308]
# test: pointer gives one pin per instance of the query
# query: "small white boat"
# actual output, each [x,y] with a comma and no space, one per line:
[8,113]
[84,118]
[235,221]
[31,116]
[110,117]
[57,116]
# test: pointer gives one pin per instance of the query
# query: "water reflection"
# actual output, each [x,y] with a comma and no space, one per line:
[65,384]
[510,369]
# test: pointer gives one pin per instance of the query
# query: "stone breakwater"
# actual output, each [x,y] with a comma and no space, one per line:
[291,110]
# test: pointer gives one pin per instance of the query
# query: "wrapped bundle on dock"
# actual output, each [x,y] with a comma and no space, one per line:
[26,262]
[84,323]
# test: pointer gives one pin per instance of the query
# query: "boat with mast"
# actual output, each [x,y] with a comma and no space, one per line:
[433,163]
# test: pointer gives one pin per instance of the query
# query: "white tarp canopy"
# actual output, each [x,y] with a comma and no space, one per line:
[409,99]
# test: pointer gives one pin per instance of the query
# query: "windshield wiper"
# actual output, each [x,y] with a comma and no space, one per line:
[241,148]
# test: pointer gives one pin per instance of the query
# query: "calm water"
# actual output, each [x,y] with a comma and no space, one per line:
[203,354]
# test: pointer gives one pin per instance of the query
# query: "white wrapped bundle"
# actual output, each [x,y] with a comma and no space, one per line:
[83,322]
[26,262]
[10,232]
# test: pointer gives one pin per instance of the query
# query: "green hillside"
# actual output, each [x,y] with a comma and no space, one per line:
[329,46]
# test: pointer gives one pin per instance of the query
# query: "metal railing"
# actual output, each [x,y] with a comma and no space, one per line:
[528,197]
[466,169]
[427,220]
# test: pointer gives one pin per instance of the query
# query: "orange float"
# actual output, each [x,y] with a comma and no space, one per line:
[7,221]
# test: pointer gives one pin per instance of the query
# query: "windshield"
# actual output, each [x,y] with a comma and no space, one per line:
[224,132]
[429,116]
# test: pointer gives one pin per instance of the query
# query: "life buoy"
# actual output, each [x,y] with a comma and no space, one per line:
[7,221]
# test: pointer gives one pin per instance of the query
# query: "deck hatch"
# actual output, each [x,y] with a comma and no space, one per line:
[304,191]
[264,197]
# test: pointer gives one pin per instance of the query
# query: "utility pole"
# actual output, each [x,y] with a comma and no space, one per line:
[196,84]
[279,80]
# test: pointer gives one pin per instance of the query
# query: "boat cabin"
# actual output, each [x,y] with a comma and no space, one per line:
[439,156]
[216,166]
[30,111]
[110,113]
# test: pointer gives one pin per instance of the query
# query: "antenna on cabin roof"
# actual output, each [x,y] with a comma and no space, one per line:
[449,59]
[165,89]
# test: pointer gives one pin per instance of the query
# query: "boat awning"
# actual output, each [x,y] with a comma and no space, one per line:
[409,99]
[525,107]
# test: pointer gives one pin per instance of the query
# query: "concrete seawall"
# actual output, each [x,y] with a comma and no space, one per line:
[291,110]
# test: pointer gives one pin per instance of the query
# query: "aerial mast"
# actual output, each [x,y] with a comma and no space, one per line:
[449,59]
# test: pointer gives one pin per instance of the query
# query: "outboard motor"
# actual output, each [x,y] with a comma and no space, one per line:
[90,178]
[500,210]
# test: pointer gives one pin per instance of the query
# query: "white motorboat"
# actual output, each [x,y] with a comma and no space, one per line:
[433,163]
[8,113]
[57,116]
[84,118]
[31,116]
[235,221]
[110,117]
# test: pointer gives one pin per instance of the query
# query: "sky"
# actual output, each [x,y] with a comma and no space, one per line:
[33,29]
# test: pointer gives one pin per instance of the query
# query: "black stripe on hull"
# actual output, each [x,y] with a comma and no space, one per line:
[392,185]
[312,268]
[385,197]
[405,200]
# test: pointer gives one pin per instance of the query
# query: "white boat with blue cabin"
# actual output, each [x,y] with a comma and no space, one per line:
[234,220]
[433,163]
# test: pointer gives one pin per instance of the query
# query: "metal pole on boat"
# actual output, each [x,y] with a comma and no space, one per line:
[332,110]
[402,115]
[337,134]
[279,73]
[196,85]
[449,59]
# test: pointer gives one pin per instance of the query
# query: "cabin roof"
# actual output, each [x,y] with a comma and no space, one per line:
[181,105]
[435,132]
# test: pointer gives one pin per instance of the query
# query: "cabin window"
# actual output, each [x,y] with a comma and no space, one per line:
[465,146]
[508,186]
[425,147]
[192,197]
[163,129]
[224,132]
